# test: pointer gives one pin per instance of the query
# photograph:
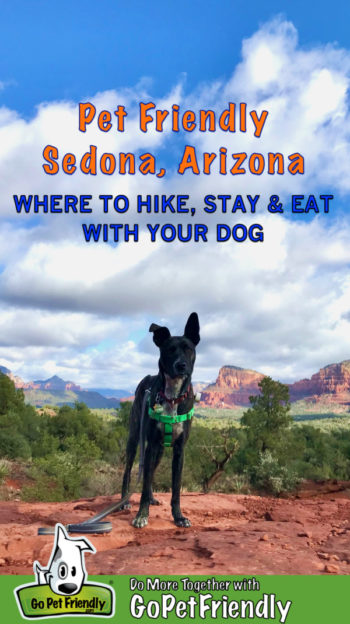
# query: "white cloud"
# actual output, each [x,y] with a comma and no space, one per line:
[280,307]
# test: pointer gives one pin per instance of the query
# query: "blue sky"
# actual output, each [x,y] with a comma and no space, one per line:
[82,311]
[52,50]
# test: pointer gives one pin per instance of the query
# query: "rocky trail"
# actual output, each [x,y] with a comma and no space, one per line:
[230,534]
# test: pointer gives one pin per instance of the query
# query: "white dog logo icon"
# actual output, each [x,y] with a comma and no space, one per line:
[66,571]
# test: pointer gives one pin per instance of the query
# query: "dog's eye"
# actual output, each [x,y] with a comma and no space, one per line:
[74,571]
[62,570]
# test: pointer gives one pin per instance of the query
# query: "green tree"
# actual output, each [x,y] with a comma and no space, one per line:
[18,426]
[271,446]
[123,414]
[209,453]
[10,398]
[268,419]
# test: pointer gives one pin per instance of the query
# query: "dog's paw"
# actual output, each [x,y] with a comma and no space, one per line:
[154,501]
[139,522]
[182,522]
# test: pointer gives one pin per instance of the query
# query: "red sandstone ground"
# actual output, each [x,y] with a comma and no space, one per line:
[230,534]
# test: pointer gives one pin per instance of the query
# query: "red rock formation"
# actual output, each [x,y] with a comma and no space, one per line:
[19,383]
[54,383]
[330,384]
[233,387]
[57,384]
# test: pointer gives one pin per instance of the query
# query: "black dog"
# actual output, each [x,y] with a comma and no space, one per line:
[161,415]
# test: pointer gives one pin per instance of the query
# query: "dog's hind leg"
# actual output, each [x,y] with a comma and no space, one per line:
[131,449]
[154,501]
[136,416]
[178,460]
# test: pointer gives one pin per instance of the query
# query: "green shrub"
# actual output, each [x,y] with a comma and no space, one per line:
[104,480]
[61,476]
[4,470]
[13,445]
[271,477]
[44,489]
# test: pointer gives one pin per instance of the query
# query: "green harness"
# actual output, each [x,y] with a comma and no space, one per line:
[168,421]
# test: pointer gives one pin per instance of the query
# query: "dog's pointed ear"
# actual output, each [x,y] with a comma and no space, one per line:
[61,534]
[160,334]
[192,328]
[84,544]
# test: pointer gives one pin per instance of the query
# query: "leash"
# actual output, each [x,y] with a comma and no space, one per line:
[93,525]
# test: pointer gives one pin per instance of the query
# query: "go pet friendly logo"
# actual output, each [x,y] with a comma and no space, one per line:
[61,588]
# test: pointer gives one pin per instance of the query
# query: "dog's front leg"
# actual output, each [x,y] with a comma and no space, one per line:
[152,456]
[178,460]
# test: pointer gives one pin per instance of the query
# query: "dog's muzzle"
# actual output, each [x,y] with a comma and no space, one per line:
[180,368]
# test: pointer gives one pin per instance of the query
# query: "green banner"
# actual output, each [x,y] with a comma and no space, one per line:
[38,601]
[291,599]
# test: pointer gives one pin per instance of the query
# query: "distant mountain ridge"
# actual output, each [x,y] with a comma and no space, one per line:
[56,391]
[232,388]
[112,393]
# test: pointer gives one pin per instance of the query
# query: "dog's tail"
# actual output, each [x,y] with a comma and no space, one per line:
[143,431]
